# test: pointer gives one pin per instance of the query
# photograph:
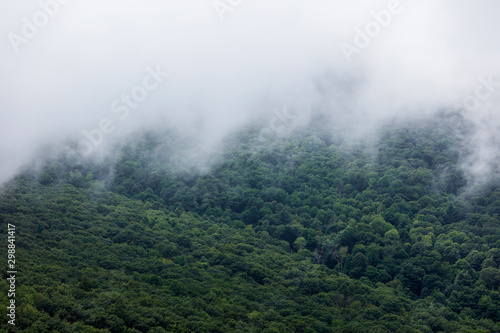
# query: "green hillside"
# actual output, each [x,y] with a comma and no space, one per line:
[313,232]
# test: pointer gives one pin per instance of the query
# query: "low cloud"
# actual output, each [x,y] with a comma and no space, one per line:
[262,56]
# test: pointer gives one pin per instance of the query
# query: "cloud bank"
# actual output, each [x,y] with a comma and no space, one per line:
[69,66]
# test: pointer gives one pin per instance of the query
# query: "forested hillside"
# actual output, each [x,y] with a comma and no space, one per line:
[313,232]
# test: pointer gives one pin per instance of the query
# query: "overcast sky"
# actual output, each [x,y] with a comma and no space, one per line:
[68,66]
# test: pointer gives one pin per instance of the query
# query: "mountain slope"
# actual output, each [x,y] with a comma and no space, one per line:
[310,233]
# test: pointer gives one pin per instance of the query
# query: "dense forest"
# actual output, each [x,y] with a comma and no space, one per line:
[315,231]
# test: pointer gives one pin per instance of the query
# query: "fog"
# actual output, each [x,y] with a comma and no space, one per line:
[108,68]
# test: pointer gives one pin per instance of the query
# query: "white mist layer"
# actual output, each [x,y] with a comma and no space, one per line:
[71,75]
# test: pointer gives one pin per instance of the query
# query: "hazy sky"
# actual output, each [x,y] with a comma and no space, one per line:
[73,66]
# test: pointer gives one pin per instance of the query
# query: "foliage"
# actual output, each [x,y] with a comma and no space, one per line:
[310,233]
